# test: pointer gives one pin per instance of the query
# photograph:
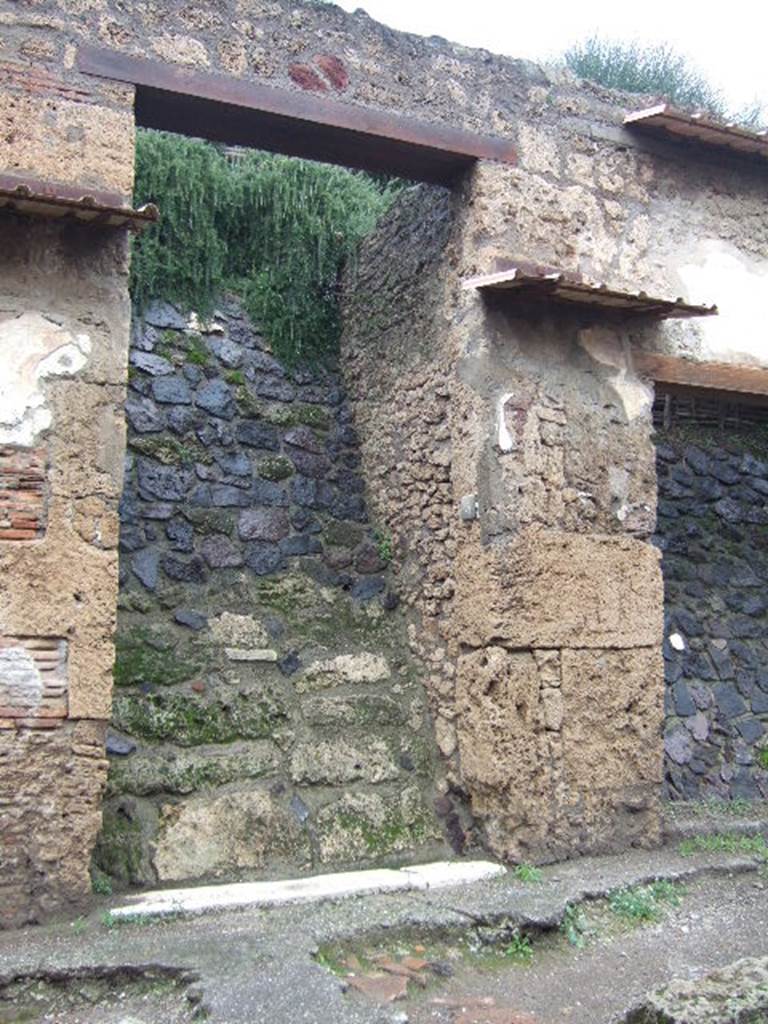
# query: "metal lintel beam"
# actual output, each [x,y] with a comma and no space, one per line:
[246,113]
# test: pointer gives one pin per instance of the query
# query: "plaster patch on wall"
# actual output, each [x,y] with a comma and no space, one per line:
[41,349]
[605,347]
[505,440]
[33,678]
[21,684]
[719,272]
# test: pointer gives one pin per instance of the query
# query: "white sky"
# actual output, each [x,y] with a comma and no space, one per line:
[726,41]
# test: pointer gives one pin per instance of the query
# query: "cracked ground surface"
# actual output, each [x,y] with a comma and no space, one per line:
[257,966]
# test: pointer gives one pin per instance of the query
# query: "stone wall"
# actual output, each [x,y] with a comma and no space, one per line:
[267,714]
[540,614]
[61,430]
[536,419]
[712,529]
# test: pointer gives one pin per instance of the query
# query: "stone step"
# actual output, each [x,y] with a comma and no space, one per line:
[199,899]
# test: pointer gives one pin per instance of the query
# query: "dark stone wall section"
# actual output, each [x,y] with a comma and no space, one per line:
[713,532]
[216,423]
[265,697]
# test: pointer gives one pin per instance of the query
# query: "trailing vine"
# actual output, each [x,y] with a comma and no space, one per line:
[276,231]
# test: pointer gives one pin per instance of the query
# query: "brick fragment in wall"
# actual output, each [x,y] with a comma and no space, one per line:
[33,681]
[23,497]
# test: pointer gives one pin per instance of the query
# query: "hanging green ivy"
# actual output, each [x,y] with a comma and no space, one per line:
[274,230]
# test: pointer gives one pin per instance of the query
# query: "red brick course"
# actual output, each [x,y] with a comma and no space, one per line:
[22,493]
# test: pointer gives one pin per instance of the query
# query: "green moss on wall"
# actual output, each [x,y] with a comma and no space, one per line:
[189,722]
[169,450]
[120,849]
[146,657]
[275,468]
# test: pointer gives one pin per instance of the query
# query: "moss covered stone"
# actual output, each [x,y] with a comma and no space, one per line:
[154,771]
[144,656]
[275,467]
[189,722]
[373,826]
[206,521]
[297,414]
[122,847]
[170,450]
[343,535]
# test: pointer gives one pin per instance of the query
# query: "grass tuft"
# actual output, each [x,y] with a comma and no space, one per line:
[519,948]
[638,903]
[754,846]
[527,873]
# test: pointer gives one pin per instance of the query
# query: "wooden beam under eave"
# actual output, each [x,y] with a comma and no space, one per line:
[749,380]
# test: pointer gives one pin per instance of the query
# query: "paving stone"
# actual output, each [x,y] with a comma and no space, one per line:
[163,315]
[145,567]
[119,746]
[226,351]
[181,534]
[305,438]
[144,416]
[366,589]
[152,364]
[728,700]
[190,570]
[190,618]
[220,553]
[171,390]
[264,558]
[263,524]
[216,398]
[258,435]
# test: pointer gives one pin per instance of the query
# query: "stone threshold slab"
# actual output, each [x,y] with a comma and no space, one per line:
[316,889]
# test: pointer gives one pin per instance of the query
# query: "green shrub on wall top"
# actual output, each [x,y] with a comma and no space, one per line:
[274,230]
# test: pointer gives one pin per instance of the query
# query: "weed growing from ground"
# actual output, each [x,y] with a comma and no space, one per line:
[519,948]
[101,884]
[574,926]
[197,354]
[754,846]
[527,873]
[638,903]
[327,959]
[383,545]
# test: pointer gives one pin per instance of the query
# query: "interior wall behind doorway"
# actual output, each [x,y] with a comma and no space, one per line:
[713,532]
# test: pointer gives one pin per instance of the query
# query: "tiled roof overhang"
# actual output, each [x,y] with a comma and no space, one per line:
[540,284]
[665,120]
[77,204]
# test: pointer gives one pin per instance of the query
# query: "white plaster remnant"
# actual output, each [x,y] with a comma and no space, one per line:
[250,654]
[505,440]
[718,272]
[35,348]
[21,684]
[202,898]
[605,347]
[676,642]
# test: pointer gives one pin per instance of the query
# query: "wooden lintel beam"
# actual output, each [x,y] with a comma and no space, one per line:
[749,380]
[247,113]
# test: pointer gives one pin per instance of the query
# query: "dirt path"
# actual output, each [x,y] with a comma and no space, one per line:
[718,921]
